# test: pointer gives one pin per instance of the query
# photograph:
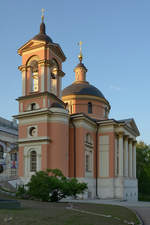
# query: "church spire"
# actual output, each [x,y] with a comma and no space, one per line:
[80,70]
[42,17]
[42,26]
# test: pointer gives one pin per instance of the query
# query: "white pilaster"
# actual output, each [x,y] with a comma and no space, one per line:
[116,156]
[120,154]
[29,73]
[130,158]
[42,78]
[126,156]
[48,79]
[134,160]
[23,82]
[60,86]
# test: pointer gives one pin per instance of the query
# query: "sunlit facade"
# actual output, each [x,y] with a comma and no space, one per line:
[71,129]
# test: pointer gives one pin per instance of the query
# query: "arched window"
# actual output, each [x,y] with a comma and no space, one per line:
[89,107]
[33,106]
[1,152]
[33,161]
[106,112]
[54,77]
[34,78]
[88,154]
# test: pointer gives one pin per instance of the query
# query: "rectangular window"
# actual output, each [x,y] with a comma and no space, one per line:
[33,161]
[87,160]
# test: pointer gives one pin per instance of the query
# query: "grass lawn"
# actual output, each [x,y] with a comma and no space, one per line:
[43,213]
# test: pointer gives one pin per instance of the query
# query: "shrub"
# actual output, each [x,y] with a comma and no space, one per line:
[22,192]
[51,185]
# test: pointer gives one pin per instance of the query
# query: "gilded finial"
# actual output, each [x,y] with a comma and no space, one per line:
[80,56]
[42,15]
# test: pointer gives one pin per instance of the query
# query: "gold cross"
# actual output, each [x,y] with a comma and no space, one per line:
[80,56]
[80,43]
[42,14]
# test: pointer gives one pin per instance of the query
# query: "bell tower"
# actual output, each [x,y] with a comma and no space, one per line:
[41,109]
[41,64]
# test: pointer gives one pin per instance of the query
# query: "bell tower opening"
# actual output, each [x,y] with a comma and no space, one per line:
[34,76]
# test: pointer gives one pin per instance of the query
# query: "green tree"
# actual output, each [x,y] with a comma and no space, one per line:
[52,185]
[143,167]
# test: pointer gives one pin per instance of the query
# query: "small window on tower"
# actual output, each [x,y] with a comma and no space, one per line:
[33,106]
[89,107]
[33,131]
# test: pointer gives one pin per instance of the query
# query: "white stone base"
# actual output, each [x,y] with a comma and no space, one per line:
[111,188]
[120,188]
[91,192]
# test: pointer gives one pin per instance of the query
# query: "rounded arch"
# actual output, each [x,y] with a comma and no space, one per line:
[32,58]
[32,62]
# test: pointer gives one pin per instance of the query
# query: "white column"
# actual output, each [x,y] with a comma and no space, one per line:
[23,82]
[126,156]
[116,155]
[134,160]
[120,154]
[60,86]
[31,79]
[42,79]
[130,158]
[48,79]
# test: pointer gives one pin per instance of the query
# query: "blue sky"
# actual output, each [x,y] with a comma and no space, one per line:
[116,49]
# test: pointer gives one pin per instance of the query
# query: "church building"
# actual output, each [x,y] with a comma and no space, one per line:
[70,129]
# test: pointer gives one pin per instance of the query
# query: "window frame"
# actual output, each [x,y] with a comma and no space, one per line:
[33,161]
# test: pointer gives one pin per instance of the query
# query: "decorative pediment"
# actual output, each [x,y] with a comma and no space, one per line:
[30,45]
[57,50]
[130,123]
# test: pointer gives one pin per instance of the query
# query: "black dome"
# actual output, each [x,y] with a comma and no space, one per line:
[42,36]
[82,89]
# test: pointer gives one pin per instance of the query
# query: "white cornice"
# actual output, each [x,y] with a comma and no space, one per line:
[34,139]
